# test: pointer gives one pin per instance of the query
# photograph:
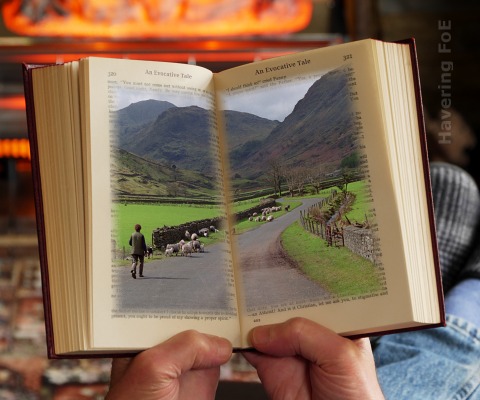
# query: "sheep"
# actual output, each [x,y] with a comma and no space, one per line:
[194,236]
[203,232]
[187,249]
[270,218]
[250,218]
[213,229]
[169,252]
[174,247]
[202,248]
[195,245]
[287,208]
[187,235]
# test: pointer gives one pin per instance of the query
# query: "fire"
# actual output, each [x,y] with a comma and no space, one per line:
[12,103]
[14,148]
[155,18]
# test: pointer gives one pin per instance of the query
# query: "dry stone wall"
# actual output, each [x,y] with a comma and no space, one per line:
[361,241]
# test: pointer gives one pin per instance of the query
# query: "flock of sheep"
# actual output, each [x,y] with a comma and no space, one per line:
[265,214]
[193,245]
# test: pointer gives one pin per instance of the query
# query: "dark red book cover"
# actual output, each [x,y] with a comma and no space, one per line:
[37,181]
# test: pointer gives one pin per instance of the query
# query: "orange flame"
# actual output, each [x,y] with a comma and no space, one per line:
[156,18]
[12,103]
[14,148]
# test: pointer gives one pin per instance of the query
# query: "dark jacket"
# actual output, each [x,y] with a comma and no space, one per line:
[137,241]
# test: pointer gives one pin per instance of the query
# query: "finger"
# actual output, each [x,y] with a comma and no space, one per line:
[301,337]
[256,359]
[282,377]
[119,366]
[189,350]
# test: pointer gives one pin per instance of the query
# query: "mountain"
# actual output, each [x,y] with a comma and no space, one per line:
[244,128]
[179,136]
[319,130]
[136,176]
[138,115]
[182,136]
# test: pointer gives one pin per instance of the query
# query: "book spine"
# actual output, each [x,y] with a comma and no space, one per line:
[37,187]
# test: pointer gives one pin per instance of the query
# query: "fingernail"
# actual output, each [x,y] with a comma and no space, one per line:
[260,336]
[224,348]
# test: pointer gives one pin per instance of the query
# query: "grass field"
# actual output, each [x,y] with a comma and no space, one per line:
[336,269]
[153,216]
[362,204]
[245,225]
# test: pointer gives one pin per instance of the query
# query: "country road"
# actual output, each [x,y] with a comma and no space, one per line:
[270,277]
[198,282]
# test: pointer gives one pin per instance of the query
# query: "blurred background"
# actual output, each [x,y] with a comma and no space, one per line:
[200,32]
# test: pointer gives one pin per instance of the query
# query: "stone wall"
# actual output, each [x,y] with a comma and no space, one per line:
[257,209]
[361,241]
[173,234]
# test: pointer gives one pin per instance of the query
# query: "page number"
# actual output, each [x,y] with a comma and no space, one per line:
[347,57]
[112,74]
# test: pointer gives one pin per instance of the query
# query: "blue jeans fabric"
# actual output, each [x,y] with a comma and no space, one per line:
[463,300]
[441,363]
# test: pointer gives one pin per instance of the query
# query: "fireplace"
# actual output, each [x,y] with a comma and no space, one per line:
[53,31]
[155,18]
[214,34]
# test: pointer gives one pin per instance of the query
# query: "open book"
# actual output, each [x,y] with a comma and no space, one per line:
[294,186]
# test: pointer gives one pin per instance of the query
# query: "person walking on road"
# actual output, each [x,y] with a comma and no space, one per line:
[139,247]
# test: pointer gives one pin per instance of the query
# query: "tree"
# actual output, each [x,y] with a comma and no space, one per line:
[347,177]
[274,175]
[315,178]
[295,179]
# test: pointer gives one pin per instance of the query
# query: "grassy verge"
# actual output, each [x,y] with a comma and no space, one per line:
[336,269]
[153,216]
[362,204]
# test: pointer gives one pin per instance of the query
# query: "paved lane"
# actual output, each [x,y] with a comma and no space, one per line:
[269,276]
[198,282]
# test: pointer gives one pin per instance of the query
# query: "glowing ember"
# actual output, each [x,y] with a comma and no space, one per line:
[14,148]
[155,18]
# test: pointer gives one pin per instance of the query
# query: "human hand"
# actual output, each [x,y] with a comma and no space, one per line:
[187,366]
[300,359]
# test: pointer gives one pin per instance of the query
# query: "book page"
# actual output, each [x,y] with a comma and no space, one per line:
[155,164]
[317,231]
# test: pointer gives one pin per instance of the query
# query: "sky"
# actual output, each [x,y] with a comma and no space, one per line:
[274,103]
[126,97]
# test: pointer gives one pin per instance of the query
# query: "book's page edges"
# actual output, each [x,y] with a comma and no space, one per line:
[40,222]
[426,168]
